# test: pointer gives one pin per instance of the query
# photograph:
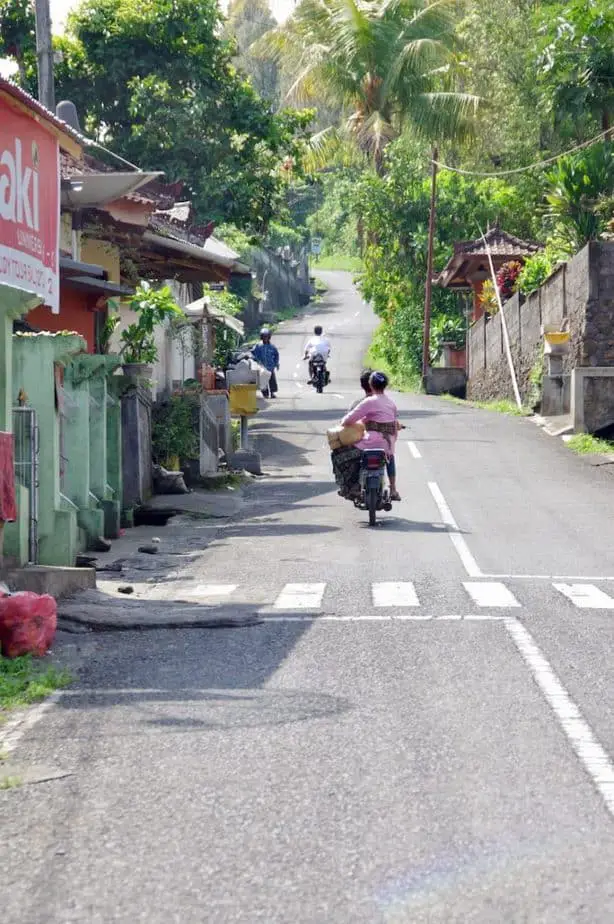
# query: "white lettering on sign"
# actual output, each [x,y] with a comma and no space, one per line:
[19,188]
[29,205]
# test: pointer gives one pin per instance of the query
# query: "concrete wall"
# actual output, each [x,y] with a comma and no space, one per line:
[580,293]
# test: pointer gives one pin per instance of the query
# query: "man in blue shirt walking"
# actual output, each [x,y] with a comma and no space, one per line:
[268,356]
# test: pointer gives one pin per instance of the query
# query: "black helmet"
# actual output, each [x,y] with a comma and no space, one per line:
[317,330]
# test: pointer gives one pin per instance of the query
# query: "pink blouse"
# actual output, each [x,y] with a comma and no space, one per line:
[380,409]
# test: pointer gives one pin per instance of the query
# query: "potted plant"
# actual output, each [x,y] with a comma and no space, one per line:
[138,348]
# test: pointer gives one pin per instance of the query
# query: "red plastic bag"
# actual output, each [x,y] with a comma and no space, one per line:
[27,623]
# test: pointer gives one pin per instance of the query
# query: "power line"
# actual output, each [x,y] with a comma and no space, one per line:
[536,166]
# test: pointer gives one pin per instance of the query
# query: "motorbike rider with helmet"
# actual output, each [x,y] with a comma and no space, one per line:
[318,344]
[268,356]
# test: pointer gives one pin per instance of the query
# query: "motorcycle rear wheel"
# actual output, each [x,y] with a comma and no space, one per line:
[372,505]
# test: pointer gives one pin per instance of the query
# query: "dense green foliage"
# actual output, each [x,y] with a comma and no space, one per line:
[543,76]
[156,82]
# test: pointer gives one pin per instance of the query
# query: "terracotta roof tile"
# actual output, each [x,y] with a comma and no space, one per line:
[501,243]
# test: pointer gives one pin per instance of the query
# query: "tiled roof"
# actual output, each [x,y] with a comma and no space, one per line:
[70,166]
[177,222]
[501,244]
[17,93]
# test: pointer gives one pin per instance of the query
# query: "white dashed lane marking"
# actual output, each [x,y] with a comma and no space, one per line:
[394,594]
[300,597]
[401,596]
[211,590]
[586,596]
[490,593]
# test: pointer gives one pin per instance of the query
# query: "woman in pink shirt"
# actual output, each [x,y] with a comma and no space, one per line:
[379,411]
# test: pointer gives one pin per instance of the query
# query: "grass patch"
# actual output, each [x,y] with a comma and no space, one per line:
[338,261]
[501,406]
[286,314]
[235,433]
[405,380]
[25,680]
[585,444]
[9,782]
[221,481]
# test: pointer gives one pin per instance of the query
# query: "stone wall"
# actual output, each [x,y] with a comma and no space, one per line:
[286,283]
[580,292]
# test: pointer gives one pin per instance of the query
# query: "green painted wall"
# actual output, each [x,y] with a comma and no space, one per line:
[34,358]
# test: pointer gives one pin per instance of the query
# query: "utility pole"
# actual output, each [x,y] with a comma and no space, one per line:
[426,343]
[44,54]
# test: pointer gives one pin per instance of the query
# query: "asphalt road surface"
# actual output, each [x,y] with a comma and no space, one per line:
[421,730]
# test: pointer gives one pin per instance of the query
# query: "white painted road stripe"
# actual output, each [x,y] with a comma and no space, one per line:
[414,450]
[300,597]
[211,590]
[589,750]
[395,594]
[586,596]
[490,593]
[458,541]
[405,617]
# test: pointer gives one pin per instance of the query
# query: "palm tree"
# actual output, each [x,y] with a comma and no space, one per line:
[385,64]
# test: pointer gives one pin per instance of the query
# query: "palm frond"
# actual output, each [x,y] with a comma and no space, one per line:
[331,147]
[437,116]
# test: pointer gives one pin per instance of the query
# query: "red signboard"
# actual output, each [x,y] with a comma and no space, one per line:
[29,206]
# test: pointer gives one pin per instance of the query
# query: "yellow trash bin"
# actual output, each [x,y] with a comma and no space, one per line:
[243,400]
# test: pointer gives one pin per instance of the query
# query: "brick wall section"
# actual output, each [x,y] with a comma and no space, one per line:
[581,291]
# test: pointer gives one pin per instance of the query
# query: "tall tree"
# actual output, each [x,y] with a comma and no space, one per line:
[385,63]
[156,82]
[247,21]
[18,38]
[578,65]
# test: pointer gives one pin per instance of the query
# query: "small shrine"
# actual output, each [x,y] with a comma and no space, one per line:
[468,268]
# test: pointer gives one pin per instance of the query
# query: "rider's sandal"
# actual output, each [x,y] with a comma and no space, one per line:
[395,496]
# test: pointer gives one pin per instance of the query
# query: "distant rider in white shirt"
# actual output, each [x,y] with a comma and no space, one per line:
[318,344]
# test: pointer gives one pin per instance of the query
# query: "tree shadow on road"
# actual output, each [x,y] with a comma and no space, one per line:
[196,680]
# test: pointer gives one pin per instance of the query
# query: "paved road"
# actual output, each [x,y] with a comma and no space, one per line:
[445,759]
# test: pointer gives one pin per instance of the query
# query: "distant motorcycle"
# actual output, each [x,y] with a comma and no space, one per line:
[321,375]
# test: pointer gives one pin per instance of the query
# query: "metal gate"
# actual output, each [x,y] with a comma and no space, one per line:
[25,434]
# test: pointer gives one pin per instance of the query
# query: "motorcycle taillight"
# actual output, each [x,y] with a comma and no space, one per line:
[374,462]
